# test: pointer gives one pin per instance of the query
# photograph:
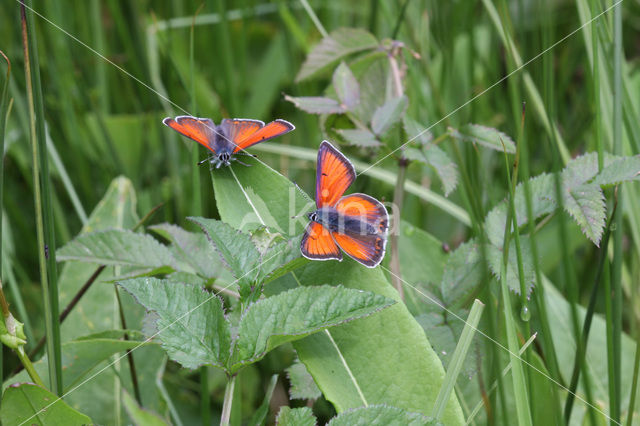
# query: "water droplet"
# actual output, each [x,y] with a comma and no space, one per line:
[525,314]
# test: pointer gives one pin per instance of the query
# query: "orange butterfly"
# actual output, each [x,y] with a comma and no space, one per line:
[356,223]
[229,138]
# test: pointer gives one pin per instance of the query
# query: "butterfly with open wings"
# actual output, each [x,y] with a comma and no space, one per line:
[228,139]
[355,223]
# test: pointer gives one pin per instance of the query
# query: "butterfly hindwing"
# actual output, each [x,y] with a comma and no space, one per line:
[366,249]
[318,244]
[201,130]
[366,209]
[333,176]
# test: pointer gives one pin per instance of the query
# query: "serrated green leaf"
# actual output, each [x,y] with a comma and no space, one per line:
[138,415]
[281,259]
[372,73]
[619,170]
[297,313]
[302,384]
[235,248]
[118,247]
[79,357]
[416,132]
[380,415]
[495,260]
[360,137]
[346,87]
[191,322]
[462,273]
[337,45]
[29,403]
[295,417]
[485,136]
[193,249]
[316,104]
[388,114]
[586,205]
[436,158]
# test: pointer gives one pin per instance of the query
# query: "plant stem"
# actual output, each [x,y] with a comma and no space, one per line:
[42,195]
[228,401]
[26,362]
[398,197]
[3,117]
[132,365]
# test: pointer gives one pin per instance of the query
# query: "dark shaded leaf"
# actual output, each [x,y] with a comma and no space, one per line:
[260,416]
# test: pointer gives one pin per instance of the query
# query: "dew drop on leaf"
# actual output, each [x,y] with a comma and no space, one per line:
[525,314]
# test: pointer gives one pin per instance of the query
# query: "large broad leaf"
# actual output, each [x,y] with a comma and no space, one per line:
[29,403]
[79,357]
[485,136]
[190,321]
[297,313]
[380,415]
[346,86]
[295,417]
[389,347]
[98,311]
[119,247]
[388,114]
[192,249]
[339,44]
[316,104]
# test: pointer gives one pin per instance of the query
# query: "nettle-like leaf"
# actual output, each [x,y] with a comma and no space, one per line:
[336,46]
[302,384]
[388,114]
[586,205]
[620,170]
[236,249]
[462,273]
[297,313]
[28,403]
[190,321]
[346,86]
[495,260]
[281,258]
[381,415]
[192,249]
[302,416]
[485,136]
[316,104]
[362,138]
[120,247]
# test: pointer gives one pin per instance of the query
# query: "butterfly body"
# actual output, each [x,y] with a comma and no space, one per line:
[228,139]
[355,223]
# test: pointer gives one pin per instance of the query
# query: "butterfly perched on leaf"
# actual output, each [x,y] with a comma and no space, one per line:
[355,223]
[228,139]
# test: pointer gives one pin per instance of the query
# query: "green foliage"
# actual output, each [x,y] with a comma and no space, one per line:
[485,136]
[380,414]
[295,417]
[388,114]
[12,332]
[302,384]
[138,415]
[190,321]
[297,313]
[26,402]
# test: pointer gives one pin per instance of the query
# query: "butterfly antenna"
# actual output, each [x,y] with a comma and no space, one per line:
[244,164]
[200,163]
[246,153]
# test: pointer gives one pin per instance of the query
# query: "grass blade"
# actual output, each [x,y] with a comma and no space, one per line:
[460,353]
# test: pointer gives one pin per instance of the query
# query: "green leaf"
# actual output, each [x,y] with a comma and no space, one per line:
[12,332]
[495,260]
[316,104]
[193,249]
[619,170]
[380,415]
[462,273]
[360,137]
[138,415]
[346,87]
[119,247]
[283,257]
[485,136]
[436,158]
[191,322]
[339,44]
[388,114]
[79,357]
[295,417]
[302,384]
[236,248]
[22,403]
[372,72]
[586,205]
[416,132]
[297,313]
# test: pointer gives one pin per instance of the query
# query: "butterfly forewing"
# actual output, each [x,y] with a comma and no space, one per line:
[201,130]
[334,175]
[270,131]
[317,243]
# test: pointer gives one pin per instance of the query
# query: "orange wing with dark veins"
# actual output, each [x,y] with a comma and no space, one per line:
[366,209]
[201,130]
[245,133]
[333,176]
[318,244]
[366,249]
